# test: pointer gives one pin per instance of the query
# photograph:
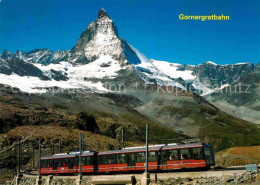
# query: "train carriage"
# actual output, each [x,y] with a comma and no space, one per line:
[69,163]
[160,157]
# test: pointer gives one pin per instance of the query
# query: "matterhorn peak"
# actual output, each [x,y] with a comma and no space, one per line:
[101,39]
[102,13]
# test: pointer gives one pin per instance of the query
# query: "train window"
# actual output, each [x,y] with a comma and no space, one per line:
[50,163]
[71,163]
[90,160]
[59,162]
[120,158]
[42,163]
[64,162]
[185,153]
[173,155]
[152,157]
[197,153]
[84,161]
[131,159]
[56,163]
[112,159]
[102,159]
[208,151]
[164,155]
[76,161]
[140,157]
[87,160]
[47,163]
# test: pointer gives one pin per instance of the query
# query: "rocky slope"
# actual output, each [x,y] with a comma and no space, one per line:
[242,98]
[238,156]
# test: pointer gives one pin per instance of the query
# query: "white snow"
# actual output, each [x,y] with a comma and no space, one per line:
[241,63]
[103,67]
[157,70]
[210,62]
[201,88]
[76,75]
[171,69]
[140,55]
[62,66]
[36,85]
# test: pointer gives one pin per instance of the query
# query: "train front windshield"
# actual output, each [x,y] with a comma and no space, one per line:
[208,152]
[209,155]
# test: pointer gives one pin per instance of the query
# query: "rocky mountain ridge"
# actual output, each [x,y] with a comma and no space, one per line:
[242,98]
[101,54]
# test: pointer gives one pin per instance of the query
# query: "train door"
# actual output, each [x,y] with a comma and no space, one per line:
[55,164]
[130,160]
[164,158]
[71,163]
[95,162]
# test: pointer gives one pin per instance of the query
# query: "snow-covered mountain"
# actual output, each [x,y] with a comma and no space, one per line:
[101,39]
[99,56]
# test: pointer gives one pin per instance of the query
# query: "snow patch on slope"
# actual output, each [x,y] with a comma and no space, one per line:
[35,85]
[171,69]
[150,72]
[103,67]
[201,88]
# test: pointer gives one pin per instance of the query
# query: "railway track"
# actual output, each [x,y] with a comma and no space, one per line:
[229,170]
[124,178]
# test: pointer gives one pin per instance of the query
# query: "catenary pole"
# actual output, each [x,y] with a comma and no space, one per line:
[80,150]
[83,142]
[19,156]
[122,139]
[146,151]
[39,163]
[33,157]
[60,146]
[52,149]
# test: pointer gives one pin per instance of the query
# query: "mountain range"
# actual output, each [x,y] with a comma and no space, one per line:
[110,79]
[101,54]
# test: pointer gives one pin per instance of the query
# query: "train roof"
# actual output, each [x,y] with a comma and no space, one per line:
[152,148]
[129,150]
[71,154]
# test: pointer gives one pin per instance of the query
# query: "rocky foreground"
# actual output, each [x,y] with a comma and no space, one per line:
[244,178]
[239,178]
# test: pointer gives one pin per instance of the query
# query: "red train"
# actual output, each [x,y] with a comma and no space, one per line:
[161,157]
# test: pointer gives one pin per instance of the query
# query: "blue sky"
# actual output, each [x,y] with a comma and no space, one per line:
[152,26]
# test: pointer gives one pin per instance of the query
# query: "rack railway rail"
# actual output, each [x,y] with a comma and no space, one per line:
[161,175]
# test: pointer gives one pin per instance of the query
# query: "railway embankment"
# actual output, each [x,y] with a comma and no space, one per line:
[187,178]
[245,178]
